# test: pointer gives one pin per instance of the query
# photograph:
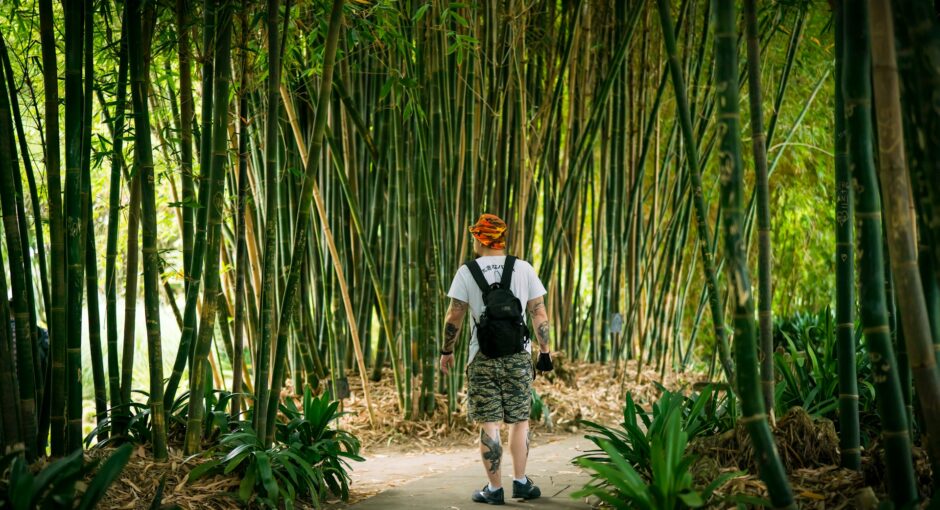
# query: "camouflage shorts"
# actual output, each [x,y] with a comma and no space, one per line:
[499,389]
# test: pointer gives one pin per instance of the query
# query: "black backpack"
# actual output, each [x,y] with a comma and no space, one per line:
[501,330]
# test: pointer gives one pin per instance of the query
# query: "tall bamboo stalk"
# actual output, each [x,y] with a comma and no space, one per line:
[849,429]
[299,248]
[902,238]
[114,204]
[9,170]
[197,378]
[57,334]
[701,212]
[759,147]
[732,190]
[74,42]
[241,257]
[144,157]
[194,274]
[856,83]
[268,289]
[187,116]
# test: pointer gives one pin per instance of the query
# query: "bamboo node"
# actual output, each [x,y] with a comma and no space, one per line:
[753,418]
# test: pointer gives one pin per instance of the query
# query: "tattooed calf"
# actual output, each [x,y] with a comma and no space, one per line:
[495,453]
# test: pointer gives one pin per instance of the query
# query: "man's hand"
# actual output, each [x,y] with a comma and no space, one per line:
[544,364]
[447,362]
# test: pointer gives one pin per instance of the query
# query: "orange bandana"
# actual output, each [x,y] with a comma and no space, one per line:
[490,230]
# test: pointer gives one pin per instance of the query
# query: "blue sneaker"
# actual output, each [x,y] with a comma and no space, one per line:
[527,490]
[485,495]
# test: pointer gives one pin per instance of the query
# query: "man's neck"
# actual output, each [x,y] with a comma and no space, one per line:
[488,252]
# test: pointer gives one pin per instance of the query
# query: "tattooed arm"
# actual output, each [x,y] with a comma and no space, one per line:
[455,315]
[539,315]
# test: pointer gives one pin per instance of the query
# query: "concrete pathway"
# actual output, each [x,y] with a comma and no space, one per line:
[446,481]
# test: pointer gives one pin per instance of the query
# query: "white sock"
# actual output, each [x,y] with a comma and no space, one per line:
[524,480]
[493,488]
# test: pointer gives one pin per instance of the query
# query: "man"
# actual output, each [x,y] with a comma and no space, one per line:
[499,386]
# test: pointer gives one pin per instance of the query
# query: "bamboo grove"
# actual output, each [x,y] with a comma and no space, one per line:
[293,181]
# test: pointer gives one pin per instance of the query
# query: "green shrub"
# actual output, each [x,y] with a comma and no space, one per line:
[54,487]
[617,482]
[807,372]
[137,415]
[699,414]
[308,458]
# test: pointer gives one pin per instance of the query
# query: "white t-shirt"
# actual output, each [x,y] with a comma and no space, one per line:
[525,285]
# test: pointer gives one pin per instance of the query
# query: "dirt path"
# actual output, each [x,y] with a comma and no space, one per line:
[446,480]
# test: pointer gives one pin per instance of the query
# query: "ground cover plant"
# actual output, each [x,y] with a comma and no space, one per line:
[229,225]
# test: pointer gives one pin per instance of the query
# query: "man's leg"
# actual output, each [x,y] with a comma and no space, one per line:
[519,448]
[492,452]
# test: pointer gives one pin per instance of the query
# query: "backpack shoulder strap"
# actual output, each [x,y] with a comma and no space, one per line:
[507,272]
[477,273]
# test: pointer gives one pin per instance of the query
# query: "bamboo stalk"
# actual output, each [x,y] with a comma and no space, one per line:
[25,377]
[849,428]
[198,372]
[902,238]
[144,158]
[701,213]
[114,204]
[730,166]
[57,332]
[759,147]
[310,190]
[268,290]
[74,29]
[857,89]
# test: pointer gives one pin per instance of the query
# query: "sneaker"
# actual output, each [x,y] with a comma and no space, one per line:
[485,495]
[527,490]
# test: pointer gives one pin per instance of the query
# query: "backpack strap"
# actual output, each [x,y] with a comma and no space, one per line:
[477,273]
[507,272]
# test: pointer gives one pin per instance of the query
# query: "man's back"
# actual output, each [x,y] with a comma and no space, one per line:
[525,285]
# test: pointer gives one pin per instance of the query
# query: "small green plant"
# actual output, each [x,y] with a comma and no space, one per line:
[699,414]
[807,371]
[538,406]
[308,459]
[54,487]
[137,417]
[616,482]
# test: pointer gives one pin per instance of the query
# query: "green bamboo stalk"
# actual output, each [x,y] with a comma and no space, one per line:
[856,83]
[74,29]
[187,116]
[114,204]
[10,433]
[298,253]
[24,233]
[900,223]
[200,362]
[241,243]
[88,234]
[730,166]
[194,276]
[849,429]
[759,147]
[701,213]
[263,387]
[144,157]
[130,290]
[57,331]
[25,376]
